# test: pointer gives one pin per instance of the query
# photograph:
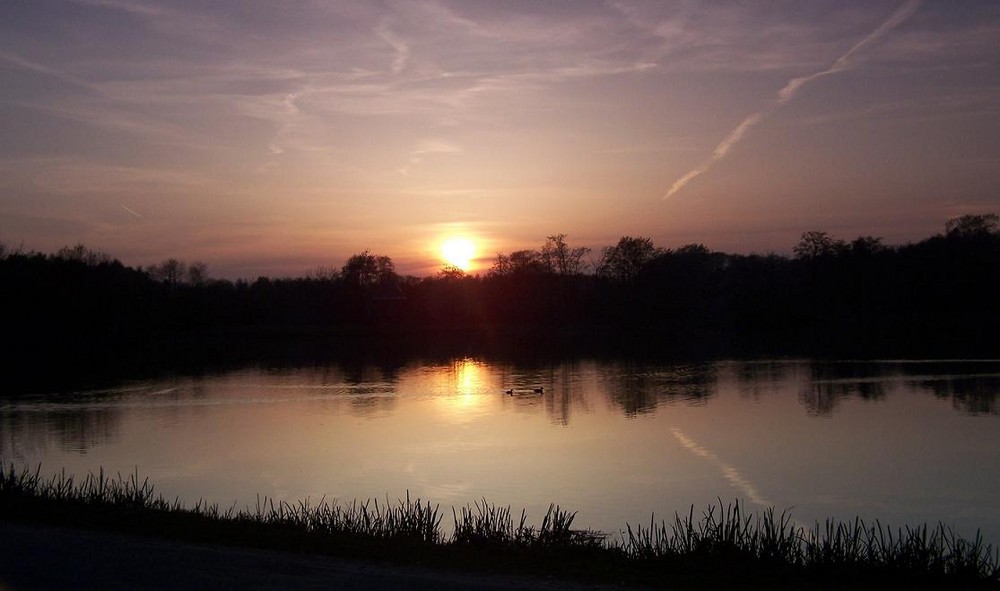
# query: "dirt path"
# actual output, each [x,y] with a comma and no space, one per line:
[44,557]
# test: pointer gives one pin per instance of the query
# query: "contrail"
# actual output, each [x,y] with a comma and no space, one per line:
[132,211]
[729,472]
[719,151]
[788,92]
[844,62]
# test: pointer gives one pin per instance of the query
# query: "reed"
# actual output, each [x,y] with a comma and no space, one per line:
[95,489]
[484,524]
[722,531]
[723,536]
[406,520]
[726,534]
[936,551]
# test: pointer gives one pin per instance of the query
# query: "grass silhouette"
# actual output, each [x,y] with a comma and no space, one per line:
[722,546]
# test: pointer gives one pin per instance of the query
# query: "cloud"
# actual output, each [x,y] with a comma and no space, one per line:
[48,71]
[728,36]
[79,176]
[401,55]
[424,147]
[194,24]
[321,72]
[437,147]
[788,92]
[126,6]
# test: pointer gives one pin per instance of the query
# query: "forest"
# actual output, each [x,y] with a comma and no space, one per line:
[837,297]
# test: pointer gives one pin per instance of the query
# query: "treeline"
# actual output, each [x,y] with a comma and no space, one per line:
[941,293]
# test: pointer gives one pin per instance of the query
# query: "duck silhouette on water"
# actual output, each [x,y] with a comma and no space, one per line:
[538,390]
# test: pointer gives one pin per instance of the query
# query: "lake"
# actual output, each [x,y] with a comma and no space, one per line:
[906,442]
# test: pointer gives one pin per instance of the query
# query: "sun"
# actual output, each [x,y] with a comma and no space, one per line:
[458,252]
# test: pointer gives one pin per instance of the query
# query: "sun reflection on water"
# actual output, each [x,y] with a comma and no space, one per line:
[468,388]
[470,376]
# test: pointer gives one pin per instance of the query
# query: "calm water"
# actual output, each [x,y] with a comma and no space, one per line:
[906,442]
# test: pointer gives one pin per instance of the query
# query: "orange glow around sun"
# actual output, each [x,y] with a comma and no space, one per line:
[458,252]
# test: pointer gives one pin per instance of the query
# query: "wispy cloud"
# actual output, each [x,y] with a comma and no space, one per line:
[728,36]
[79,176]
[645,148]
[426,147]
[401,51]
[138,8]
[48,71]
[445,65]
[789,91]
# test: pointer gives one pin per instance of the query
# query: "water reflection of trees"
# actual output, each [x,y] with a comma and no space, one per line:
[973,395]
[367,373]
[372,388]
[564,390]
[972,386]
[754,378]
[638,388]
[821,398]
[829,383]
[26,434]
[369,388]
[566,394]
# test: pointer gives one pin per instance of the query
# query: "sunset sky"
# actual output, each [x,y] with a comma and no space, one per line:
[270,138]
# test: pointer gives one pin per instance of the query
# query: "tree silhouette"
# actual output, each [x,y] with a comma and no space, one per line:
[519,263]
[174,272]
[324,273]
[866,246]
[973,226]
[365,269]
[858,296]
[170,271]
[560,258]
[450,271]
[625,260]
[817,245]
[197,273]
[82,254]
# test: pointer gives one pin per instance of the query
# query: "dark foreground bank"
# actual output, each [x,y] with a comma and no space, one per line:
[38,557]
[286,545]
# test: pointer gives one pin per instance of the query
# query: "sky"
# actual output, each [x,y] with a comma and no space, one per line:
[274,138]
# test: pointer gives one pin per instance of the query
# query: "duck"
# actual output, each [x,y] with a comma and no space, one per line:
[513,391]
